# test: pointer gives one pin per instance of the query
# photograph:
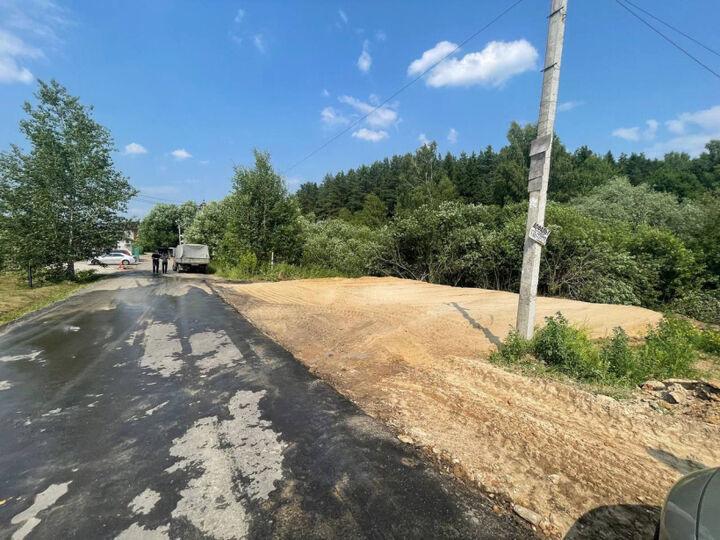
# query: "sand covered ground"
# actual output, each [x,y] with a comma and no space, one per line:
[413,354]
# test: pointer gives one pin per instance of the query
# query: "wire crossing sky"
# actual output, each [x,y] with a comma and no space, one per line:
[188,90]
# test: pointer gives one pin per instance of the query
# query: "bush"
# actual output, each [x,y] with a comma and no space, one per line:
[700,305]
[568,349]
[708,341]
[669,350]
[341,247]
[512,350]
[86,276]
[619,357]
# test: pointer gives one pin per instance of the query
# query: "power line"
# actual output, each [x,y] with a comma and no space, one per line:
[151,198]
[402,88]
[646,12]
[669,40]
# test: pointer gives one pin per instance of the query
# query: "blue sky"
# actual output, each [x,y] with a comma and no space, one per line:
[189,88]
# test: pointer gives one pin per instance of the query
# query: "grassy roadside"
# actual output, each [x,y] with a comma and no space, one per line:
[17,299]
[675,348]
[278,272]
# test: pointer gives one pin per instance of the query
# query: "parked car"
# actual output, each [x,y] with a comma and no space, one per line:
[189,256]
[692,508]
[114,257]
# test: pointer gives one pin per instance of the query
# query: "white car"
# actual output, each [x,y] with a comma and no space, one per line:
[114,257]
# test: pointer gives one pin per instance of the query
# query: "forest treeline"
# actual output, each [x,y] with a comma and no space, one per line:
[500,177]
[630,230]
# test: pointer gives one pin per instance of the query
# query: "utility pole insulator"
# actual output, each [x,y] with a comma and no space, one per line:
[540,152]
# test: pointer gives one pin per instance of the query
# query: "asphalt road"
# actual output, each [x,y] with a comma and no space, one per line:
[145,407]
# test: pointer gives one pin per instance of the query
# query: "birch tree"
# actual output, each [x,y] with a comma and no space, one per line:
[62,200]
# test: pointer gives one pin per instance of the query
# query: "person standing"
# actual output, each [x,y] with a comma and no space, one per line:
[164,261]
[156,262]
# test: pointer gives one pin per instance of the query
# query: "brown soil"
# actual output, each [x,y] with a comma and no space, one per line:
[410,353]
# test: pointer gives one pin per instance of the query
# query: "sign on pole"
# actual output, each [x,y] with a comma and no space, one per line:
[539,234]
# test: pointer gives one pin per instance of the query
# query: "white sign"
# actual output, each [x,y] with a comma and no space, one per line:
[539,234]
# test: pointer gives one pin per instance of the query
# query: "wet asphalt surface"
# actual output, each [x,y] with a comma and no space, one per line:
[147,408]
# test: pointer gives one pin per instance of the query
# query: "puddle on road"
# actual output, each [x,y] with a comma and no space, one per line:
[245,448]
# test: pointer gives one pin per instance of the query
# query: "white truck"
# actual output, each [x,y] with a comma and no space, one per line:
[189,256]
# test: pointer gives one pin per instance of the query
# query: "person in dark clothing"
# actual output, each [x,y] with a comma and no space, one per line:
[164,262]
[156,262]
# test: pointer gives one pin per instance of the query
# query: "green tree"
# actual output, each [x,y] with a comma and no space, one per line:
[262,215]
[373,213]
[619,200]
[159,228]
[63,200]
[346,248]
[209,227]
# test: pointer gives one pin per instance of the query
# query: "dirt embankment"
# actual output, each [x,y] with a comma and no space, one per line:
[411,354]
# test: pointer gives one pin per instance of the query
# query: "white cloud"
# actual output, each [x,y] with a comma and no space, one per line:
[380,36]
[370,135]
[629,134]
[423,140]
[431,56]
[240,15]
[12,48]
[38,19]
[707,119]
[330,117]
[365,60]
[452,136]
[134,149]
[11,72]
[325,93]
[636,134]
[181,154]
[378,116]
[25,22]
[691,144]
[569,105]
[651,130]
[343,16]
[493,66]
[259,42]
[691,130]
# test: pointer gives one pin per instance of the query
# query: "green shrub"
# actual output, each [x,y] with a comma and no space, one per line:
[86,276]
[568,349]
[619,357]
[512,350]
[700,305]
[708,341]
[669,349]
[341,247]
[248,269]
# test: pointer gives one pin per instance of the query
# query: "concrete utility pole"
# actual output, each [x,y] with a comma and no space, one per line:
[540,150]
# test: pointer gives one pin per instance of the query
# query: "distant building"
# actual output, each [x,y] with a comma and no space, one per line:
[128,240]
